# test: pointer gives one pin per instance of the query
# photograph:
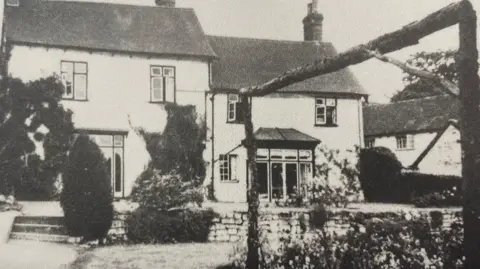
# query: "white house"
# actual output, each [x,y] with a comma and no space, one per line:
[121,63]
[422,133]
[288,124]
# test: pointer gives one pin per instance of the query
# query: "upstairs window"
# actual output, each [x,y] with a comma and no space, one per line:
[234,111]
[326,111]
[405,142]
[228,168]
[370,142]
[74,79]
[162,84]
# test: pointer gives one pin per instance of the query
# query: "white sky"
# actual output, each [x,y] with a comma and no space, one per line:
[347,23]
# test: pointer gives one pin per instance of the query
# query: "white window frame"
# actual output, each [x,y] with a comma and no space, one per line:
[405,142]
[74,74]
[228,167]
[233,101]
[325,104]
[166,74]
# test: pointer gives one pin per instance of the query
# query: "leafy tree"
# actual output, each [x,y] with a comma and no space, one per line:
[179,149]
[86,198]
[31,112]
[440,63]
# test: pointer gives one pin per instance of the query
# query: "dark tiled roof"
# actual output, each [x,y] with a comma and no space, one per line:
[246,62]
[283,134]
[425,114]
[122,28]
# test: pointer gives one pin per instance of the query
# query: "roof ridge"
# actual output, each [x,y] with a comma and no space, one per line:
[410,100]
[271,39]
[91,2]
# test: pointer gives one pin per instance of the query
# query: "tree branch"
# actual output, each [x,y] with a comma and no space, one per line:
[445,84]
[407,36]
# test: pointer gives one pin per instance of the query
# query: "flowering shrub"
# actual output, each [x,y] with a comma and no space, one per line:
[410,242]
[336,181]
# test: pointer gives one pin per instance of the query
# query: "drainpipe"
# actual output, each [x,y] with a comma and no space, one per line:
[212,138]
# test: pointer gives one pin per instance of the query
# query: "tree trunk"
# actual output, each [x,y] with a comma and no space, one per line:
[253,240]
[468,82]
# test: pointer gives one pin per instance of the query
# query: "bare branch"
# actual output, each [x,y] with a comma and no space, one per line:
[407,36]
[445,84]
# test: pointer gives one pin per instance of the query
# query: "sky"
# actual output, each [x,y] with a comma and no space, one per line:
[347,23]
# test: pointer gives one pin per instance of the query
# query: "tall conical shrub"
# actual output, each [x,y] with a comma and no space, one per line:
[86,197]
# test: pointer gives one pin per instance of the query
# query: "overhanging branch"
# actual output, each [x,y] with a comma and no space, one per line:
[445,84]
[404,37]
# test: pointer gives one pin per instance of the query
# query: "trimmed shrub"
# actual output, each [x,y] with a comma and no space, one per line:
[147,225]
[379,175]
[420,185]
[86,197]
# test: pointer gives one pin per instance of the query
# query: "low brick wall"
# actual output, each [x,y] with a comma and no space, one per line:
[233,226]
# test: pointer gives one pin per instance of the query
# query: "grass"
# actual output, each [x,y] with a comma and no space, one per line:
[175,256]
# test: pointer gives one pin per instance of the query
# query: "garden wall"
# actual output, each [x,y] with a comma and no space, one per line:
[231,227]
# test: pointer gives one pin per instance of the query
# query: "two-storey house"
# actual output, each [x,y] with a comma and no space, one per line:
[290,123]
[121,63]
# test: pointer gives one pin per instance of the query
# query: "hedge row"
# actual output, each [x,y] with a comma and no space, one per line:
[382,181]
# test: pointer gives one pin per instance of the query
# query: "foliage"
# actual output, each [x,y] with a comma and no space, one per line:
[333,167]
[147,225]
[180,147]
[411,242]
[379,174]
[440,63]
[31,116]
[156,191]
[86,198]
[445,198]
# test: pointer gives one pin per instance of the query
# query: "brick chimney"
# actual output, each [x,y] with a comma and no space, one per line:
[165,3]
[312,23]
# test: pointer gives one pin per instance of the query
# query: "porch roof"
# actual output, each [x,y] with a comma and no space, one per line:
[285,135]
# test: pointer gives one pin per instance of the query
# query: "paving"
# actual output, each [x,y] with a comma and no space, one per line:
[19,254]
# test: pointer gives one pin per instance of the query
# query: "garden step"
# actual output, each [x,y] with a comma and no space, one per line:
[58,221]
[39,237]
[39,228]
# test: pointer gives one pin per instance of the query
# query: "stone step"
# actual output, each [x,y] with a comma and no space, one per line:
[39,228]
[57,221]
[39,237]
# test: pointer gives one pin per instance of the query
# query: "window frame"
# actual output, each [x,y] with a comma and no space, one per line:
[325,107]
[370,142]
[226,159]
[407,140]
[74,73]
[236,104]
[164,83]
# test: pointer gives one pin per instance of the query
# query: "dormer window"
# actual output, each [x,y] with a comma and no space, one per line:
[13,3]
[234,111]
[162,84]
[326,111]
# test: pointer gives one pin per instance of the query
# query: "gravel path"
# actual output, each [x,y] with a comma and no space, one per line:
[18,254]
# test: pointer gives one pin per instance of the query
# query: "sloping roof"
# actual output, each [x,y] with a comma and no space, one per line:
[110,27]
[432,143]
[283,134]
[247,62]
[417,115]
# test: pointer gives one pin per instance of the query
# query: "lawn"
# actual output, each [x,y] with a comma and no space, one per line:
[177,256]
